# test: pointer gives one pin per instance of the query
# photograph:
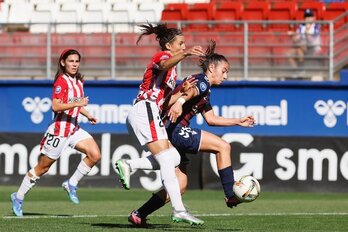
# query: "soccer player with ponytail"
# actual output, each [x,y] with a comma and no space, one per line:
[144,119]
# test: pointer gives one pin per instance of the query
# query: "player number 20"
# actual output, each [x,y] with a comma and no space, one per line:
[51,140]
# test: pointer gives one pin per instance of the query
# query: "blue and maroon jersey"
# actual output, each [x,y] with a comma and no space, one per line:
[196,105]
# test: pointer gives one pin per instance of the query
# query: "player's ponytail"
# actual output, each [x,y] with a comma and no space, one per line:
[211,57]
[163,34]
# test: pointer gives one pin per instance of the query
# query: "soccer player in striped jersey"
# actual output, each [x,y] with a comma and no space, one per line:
[144,121]
[192,140]
[68,102]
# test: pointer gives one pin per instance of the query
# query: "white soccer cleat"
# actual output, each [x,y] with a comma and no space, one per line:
[124,171]
[71,190]
[16,205]
[184,216]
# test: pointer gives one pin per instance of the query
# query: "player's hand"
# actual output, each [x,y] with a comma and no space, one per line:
[232,201]
[188,84]
[175,111]
[83,102]
[195,50]
[92,120]
[247,121]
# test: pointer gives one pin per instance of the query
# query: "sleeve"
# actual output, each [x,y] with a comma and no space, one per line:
[60,89]
[159,56]
[207,106]
[202,85]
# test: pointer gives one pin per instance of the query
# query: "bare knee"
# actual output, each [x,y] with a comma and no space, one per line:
[93,155]
[224,147]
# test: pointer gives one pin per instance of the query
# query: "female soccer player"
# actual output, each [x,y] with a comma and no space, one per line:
[191,140]
[144,120]
[68,101]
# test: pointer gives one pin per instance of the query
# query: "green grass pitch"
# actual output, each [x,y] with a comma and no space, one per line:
[48,209]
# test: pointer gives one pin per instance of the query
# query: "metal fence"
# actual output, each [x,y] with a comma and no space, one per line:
[257,50]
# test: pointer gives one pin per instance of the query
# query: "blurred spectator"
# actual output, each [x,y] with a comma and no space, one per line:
[306,40]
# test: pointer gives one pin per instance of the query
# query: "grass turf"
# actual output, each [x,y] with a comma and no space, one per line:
[48,209]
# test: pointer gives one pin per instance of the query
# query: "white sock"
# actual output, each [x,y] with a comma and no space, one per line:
[27,184]
[82,170]
[146,163]
[167,161]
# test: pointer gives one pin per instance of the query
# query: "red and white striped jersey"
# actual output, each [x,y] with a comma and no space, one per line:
[157,84]
[68,90]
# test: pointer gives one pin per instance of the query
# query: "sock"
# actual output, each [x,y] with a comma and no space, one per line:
[153,204]
[167,161]
[82,170]
[146,163]
[227,180]
[27,184]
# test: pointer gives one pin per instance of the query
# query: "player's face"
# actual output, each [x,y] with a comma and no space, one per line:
[220,72]
[177,45]
[71,64]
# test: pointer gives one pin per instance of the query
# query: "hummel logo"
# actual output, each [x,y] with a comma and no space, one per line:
[330,110]
[36,107]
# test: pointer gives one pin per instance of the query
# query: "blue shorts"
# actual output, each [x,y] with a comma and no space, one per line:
[185,140]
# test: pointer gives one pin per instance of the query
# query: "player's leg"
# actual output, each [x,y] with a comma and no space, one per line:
[143,124]
[51,148]
[157,200]
[153,135]
[83,142]
[126,166]
[222,149]
[168,159]
[29,182]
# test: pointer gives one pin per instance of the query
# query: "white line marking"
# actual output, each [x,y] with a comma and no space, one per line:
[198,215]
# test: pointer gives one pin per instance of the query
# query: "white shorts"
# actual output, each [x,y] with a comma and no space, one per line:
[53,146]
[144,122]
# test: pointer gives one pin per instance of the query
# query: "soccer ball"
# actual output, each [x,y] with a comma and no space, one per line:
[246,189]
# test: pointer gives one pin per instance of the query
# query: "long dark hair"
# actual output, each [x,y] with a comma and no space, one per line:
[162,32]
[63,56]
[211,57]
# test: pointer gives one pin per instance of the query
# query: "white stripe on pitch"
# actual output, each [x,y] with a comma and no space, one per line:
[198,215]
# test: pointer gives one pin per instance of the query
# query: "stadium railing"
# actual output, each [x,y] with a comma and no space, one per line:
[254,54]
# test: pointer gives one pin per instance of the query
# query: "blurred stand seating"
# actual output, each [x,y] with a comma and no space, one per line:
[251,34]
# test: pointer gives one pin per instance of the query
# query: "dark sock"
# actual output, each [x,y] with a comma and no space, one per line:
[227,181]
[153,204]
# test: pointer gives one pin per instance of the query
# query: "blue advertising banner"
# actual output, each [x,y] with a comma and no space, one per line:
[280,108]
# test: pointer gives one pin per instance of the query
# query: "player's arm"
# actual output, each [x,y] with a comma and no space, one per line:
[90,118]
[174,60]
[58,105]
[178,100]
[186,92]
[213,120]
